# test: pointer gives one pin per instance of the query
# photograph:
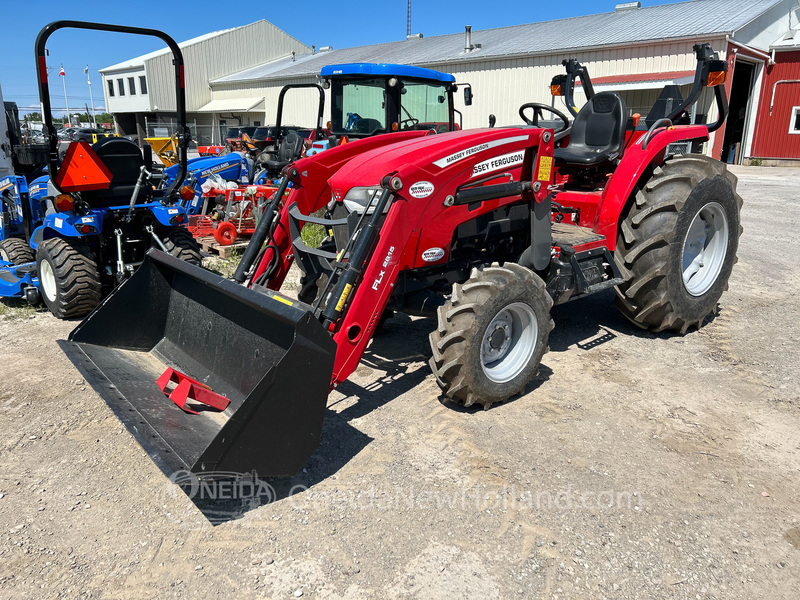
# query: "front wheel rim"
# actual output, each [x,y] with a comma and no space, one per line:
[509,342]
[48,279]
[704,249]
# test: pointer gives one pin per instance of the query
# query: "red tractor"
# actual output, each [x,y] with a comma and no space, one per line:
[485,230]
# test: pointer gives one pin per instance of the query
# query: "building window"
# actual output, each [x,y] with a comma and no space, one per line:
[142,84]
[794,122]
[121,87]
[111,88]
[256,123]
[132,86]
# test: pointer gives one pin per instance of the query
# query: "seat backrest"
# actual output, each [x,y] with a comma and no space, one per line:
[290,148]
[122,157]
[600,124]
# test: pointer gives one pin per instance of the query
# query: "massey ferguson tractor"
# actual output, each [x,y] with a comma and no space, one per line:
[481,230]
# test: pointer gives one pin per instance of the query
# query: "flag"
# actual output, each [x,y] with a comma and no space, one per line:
[61,72]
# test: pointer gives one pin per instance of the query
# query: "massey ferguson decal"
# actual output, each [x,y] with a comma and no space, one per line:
[421,189]
[462,154]
[499,162]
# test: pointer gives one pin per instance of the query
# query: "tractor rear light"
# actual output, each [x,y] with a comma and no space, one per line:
[328,125]
[87,229]
[177,220]
[716,78]
[64,202]
[187,192]
[395,126]
[555,90]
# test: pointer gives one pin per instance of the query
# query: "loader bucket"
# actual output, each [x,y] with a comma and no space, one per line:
[263,359]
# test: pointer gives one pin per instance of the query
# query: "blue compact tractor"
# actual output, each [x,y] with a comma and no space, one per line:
[71,238]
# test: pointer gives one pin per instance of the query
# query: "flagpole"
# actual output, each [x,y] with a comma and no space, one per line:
[91,100]
[64,81]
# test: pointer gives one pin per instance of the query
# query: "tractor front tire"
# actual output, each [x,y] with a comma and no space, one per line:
[677,244]
[180,243]
[16,251]
[68,277]
[492,334]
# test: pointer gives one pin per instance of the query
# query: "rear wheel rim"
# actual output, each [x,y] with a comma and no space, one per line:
[509,342]
[48,280]
[704,249]
[4,255]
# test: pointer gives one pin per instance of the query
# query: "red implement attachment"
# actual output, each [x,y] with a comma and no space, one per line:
[189,388]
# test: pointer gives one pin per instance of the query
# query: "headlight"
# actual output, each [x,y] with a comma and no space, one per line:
[358,197]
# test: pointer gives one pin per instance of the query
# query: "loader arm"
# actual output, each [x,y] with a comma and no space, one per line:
[311,192]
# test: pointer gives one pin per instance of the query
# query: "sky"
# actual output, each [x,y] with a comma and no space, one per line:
[339,24]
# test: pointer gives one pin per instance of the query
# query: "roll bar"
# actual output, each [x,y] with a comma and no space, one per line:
[183,134]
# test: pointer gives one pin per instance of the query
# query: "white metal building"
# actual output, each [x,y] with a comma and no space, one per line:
[140,92]
[632,50]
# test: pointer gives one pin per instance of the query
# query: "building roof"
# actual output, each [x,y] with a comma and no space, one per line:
[698,19]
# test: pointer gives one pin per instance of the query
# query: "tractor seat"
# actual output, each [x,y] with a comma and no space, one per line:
[598,132]
[123,159]
[289,151]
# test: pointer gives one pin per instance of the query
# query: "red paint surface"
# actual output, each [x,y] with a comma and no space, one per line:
[772,138]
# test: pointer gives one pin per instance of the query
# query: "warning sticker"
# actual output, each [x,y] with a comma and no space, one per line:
[545,168]
[343,297]
[283,300]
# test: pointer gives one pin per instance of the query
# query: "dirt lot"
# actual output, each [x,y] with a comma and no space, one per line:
[639,466]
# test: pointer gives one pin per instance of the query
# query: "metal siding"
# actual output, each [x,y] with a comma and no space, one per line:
[772,138]
[229,51]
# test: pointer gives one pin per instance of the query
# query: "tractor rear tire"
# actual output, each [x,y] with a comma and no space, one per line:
[181,244]
[16,251]
[492,334]
[677,244]
[68,277]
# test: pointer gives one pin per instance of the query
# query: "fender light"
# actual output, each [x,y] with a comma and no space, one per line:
[716,78]
[87,229]
[187,192]
[64,202]
[395,126]
[177,219]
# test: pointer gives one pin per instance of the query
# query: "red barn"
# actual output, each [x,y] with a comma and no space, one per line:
[777,132]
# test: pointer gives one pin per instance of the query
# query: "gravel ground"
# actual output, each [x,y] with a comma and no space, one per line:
[638,466]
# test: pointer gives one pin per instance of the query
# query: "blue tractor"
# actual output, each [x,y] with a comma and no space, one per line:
[72,237]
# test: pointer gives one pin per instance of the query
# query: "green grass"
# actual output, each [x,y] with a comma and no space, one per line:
[13,309]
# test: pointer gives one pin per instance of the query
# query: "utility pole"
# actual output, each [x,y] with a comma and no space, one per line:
[408,20]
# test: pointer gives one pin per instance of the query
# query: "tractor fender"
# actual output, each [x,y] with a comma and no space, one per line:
[163,214]
[66,224]
[634,164]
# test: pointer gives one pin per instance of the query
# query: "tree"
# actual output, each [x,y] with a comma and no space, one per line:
[34,116]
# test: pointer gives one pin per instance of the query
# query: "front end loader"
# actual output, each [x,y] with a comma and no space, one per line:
[483,230]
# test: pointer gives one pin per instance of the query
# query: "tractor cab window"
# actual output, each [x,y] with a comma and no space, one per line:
[358,106]
[424,106]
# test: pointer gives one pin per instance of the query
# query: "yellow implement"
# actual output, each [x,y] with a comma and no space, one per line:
[166,148]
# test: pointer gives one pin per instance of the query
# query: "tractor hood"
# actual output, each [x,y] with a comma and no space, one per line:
[204,166]
[426,164]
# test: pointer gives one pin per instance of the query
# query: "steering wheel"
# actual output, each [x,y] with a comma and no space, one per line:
[537,114]
[413,123]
